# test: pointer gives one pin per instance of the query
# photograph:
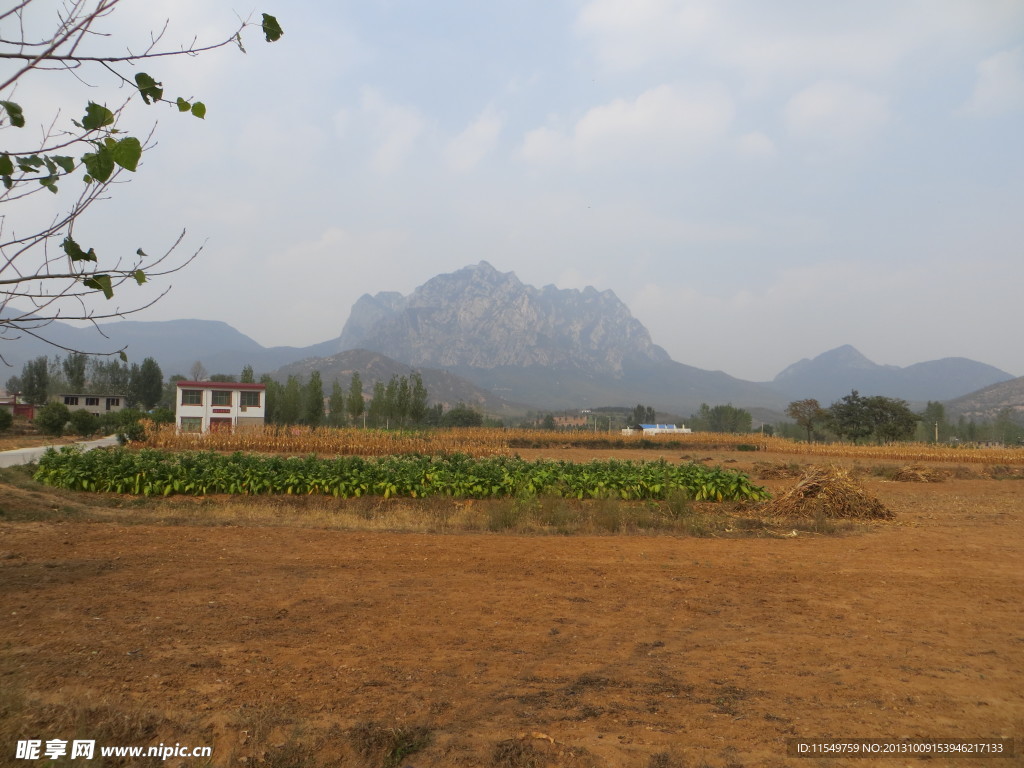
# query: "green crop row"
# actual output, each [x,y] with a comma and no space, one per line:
[159,473]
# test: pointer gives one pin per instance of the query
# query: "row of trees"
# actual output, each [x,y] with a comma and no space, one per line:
[401,402]
[142,384]
[856,418]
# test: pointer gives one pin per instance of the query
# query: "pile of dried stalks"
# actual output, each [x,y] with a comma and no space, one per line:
[918,475]
[830,492]
[775,471]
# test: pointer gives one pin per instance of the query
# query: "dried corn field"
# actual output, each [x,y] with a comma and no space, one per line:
[329,441]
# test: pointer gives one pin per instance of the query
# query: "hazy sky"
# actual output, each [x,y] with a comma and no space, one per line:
[758,181]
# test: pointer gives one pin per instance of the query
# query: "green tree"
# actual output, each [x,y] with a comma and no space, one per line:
[934,426]
[462,416]
[74,366]
[336,405]
[52,418]
[1005,429]
[417,399]
[290,410]
[354,402]
[806,413]
[376,411]
[891,419]
[722,418]
[849,417]
[42,263]
[108,377]
[146,384]
[84,423]
[6,419]
[314,400]
[391,414]
[35,381]
[644,414]
[273,393]
[403,399]
[248,377]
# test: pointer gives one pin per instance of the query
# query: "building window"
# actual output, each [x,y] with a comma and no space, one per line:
[69,400]
[191,397]
[191,424]
[221,398]
[113,402]
[92,401]
[250,400]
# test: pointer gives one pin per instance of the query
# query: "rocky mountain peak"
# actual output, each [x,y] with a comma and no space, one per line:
[483,318]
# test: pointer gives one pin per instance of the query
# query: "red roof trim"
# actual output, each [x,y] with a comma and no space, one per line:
[218,385]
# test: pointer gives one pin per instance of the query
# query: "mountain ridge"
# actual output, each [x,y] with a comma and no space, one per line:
[548,348]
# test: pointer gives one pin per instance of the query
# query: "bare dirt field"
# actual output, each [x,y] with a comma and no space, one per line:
[292,646]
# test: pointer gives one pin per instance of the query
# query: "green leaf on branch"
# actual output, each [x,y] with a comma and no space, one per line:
[30,163]
[99,164]
[100,283]
[65,162]
[123,356]
[140,276]
[151,90]
[271,28]
[6,165]
[127,152]
[96,117]
[183,106]
[75,252]
[14,113]
[50,182]
[199,110]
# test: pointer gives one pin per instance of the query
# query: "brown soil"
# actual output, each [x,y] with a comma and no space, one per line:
[293,646]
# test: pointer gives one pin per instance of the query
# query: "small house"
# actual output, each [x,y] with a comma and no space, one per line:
[201,406]
[658,429]
[97,404]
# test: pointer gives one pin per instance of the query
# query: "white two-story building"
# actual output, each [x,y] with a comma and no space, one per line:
[204,405]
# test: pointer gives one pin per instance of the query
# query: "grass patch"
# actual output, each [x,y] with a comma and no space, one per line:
[388,745]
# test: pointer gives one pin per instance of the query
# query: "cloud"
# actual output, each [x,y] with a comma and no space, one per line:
[836,114]
[466,150]
[773,45]
[333,269]
[757,146]
[395,130]
[665,125]
[999,87]
[630,33]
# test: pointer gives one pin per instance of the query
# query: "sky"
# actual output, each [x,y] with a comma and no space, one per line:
[758,182]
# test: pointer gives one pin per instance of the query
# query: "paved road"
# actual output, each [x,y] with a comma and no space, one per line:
[28,455]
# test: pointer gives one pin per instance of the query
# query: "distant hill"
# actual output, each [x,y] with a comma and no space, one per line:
[485,337]
[832,374]
[174,344]
[986,403]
